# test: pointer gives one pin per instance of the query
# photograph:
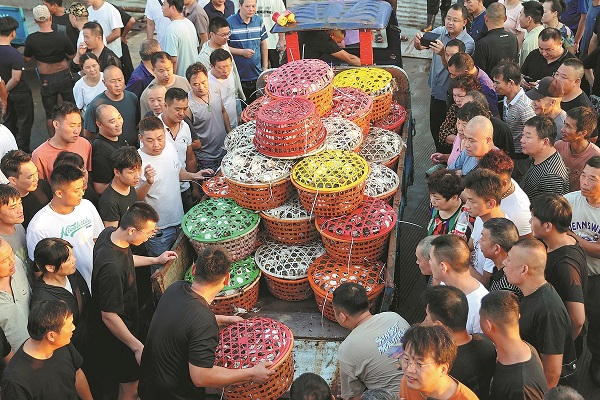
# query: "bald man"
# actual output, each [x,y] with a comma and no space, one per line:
[479,140]
[110,127]
[544,321]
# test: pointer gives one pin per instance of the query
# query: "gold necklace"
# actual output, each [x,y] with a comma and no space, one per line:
[509,191]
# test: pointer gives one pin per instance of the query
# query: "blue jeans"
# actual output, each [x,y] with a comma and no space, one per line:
[161,242]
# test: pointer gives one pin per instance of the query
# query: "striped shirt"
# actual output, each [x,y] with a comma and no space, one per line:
[549,176]
[247,36]
[516,113]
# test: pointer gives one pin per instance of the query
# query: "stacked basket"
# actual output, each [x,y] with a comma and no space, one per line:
[382,182]
[382,147]
[353,104]
[377,82]
[394,120]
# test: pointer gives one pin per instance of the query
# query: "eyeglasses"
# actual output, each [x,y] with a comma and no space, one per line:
[148,235]
[454,20]
[406,363]
[225,35]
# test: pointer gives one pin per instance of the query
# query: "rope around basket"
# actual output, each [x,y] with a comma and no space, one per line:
[342,134]
[287,261]
[381,146]
[246,165]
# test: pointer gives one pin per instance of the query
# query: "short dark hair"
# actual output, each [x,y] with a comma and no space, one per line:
[563,393]
[430,341]
[8,25]
[544,127]
[446,183]
[465,82]
[509,71]
[12,161]
[51,251]
[457,43]
[195,69]
[470,110]
[501,307]
[213,263]
[46,316]
[557,5]
[378,394]
[350,298]
[485,184]
[217,23]
[553,208]
[175,93]
[498,161]
[61,110]
[453,250]
[94,27]
[160,55]
[64,174]
[503,232]
[126,157]
[463,10]
[55,2]
[150,123]
[178,4]
[593,162]
[138,214]
[462,62]
[448,305]
[533,9]
[585,119]
[479,98]
[309,386]
[87,56]
[148,48]
[8,193]
[550,34]
[219,55]
[70,158]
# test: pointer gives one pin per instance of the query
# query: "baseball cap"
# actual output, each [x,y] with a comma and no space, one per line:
[78,10]
[547,87]
[41,13]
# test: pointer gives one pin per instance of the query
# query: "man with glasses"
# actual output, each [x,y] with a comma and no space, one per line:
[439,78]
[428,355]
[114,296]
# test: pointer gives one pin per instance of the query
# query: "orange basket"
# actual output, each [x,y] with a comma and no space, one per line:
[308,78]
[382,105]
[382,147]
[326,274]
[250,112]
[382,182]
[289,128]
[251,342]
[290,223]
[217,186]
[376,82]
[260,196]
[353,104]
[361,235]
[394,120]
[330,183]
[285,268]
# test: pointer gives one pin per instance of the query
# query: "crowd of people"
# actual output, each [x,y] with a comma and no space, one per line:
[511,257]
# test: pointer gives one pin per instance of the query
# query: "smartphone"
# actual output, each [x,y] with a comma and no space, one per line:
[429,37]
[528,79]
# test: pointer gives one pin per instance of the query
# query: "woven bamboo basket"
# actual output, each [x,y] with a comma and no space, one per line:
[342,134]
[256,181]
[250,112]
[382,147]
[331,183]
[376,82]
[285,268]
[382,182]
[223,222]
[289,128]
[353,104]
[308,78]
[251,342]
[394,120]
[290,223]
[326,274]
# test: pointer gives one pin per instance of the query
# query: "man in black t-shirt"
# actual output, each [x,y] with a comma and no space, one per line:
[324,45]
[179,363]
[518,373]
[47,366]
[476,357]
[114,296]
[544,321]
[60,20]
[566,268]
[22,174]
[109,139]
[93,41]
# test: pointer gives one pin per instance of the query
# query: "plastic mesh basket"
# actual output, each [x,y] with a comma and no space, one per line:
[217,186]
[246,165]
[382,147]
[326,274]
[382,182]
[250,342]
[375,81]
[289,128]
[394,120]
[353,104]
[240,136]
[342,134]
[250,112]
[290,223]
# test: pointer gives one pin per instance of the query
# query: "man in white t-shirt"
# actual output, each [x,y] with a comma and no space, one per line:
[159,184]
[221,76]
[181,39]
[68,216]
[450,259]
[156,22]
[108,16]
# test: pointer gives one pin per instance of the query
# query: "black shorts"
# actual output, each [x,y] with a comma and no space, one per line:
[118,361]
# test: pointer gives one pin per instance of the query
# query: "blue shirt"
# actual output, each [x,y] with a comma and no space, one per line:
[247,36]
[572,14]
[478,27]
[487,87]
[464,163]
[439,77]
[139,73]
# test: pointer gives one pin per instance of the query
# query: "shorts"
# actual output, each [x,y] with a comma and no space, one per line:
[52,85]
[118,361]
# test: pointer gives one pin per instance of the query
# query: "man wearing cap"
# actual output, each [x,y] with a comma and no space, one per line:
[545,98]
[78,16]
[60,19]
[51,51]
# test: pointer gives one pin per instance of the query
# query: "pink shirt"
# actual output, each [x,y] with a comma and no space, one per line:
[44,156]
[456,149]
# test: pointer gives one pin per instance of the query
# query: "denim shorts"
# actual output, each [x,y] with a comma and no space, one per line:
[54,84]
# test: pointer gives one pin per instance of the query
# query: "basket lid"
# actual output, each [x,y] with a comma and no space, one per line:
[342,134]
[241,274]
[381,180]
[381,145]
[327,274]
[252,341]
[299,78]
[286,112]
[374,218]
[330,171]
[247,165]
[250,112]
[374,81]
[350,102]
[217,220]
[287,261]
[240,136]
[396,117]
[217,186]
[292,209]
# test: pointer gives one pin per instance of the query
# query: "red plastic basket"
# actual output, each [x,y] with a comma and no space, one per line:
[217,186]
[251,342]
[394,120]
[353,104]
[326,274]
[250,112]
